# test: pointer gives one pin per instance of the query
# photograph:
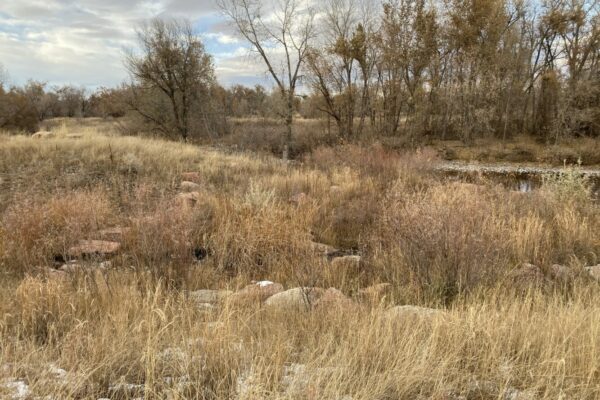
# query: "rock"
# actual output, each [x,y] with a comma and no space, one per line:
[334,299]
[17,389]
[115,234]
[208,296]
[94,249]
[376,293]
[43,135]
[188,186]
[408,312]
[256,293]
[594,272]
[191,177]
[299,199]
[346,262]
[187,200]
[562,273]
[295,299]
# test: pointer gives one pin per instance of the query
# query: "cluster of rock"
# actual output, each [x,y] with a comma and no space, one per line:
[272,296]
[95,253]
[107,243]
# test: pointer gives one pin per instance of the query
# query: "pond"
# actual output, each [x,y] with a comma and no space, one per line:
[514,177]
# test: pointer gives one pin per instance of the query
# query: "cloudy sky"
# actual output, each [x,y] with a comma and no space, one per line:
[81,42]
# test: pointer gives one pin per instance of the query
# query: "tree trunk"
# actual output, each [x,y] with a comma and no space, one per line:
[289,119]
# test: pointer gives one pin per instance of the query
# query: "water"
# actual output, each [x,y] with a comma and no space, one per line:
[518,178]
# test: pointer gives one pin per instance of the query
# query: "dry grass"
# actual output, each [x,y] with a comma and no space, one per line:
[482,349]
[133,331]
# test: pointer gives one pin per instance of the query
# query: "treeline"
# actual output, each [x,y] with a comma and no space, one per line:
[447,69]
[22,108]
[462,68]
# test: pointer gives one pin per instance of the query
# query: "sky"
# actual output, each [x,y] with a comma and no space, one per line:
[82,42]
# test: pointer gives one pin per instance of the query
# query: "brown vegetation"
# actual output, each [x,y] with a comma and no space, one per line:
[132,327]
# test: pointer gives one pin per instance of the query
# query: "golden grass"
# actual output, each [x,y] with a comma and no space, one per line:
[482,348]
[133,331]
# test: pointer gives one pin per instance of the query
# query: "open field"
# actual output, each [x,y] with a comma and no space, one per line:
[502,293]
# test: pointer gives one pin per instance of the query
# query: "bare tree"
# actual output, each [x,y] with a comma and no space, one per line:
[175,64]
[287,28]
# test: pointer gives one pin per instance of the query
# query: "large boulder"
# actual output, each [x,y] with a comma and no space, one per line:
[94,249]
[301,298]
[255,293]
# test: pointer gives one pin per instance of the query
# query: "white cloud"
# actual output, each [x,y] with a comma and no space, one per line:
[82,41]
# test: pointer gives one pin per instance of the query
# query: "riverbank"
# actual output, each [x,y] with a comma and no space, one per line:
[567,151]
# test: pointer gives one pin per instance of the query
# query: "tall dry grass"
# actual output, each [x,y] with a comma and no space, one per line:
[133,330]
[494,346]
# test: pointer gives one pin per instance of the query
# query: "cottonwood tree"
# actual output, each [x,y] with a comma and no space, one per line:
[281,33]
[333,63]
[172,74]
